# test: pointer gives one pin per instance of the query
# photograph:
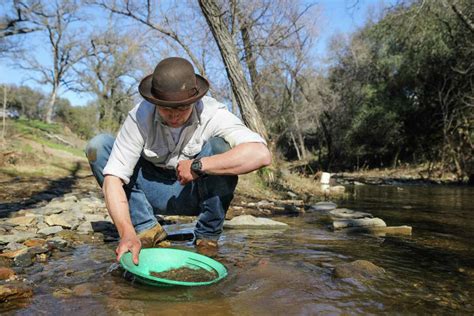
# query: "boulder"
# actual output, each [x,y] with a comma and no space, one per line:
[323,206]
[347,213]
[358,222]
[50,230]
[359,269]
[14,291]
[249,221]
[382,231]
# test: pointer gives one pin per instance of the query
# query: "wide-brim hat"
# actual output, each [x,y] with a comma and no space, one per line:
[173,83]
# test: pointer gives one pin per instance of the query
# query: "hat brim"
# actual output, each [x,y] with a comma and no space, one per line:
[145,90]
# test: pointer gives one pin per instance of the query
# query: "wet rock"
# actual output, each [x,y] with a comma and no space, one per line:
[14,253]
[249,221]
[37,268]
[14,246]
[38,250]
[62,293]
[22,221]
[17,237]
[5,262]
[382,231]
[365,222]
[23,260]
[86,289]
[57,242]
[13,291]
[323,206]
[50,230]
[347,213]
[35,242]
[6,273]
[359,269]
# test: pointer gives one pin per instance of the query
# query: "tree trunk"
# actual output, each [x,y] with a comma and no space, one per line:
[251,64]
[50,106]
[235,74]
[4,111]
[295,144]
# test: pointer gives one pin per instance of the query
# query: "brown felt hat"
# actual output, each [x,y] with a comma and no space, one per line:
[173,83]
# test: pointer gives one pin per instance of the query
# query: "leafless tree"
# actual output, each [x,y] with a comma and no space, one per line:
[162,19]
[17,18]
[110,71]
[56,19]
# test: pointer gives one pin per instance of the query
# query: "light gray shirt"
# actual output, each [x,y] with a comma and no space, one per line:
[144,134]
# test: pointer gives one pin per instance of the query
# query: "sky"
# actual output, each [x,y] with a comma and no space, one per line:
[337,16]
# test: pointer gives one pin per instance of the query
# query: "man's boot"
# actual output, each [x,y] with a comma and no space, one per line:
[153,236]
[207,247]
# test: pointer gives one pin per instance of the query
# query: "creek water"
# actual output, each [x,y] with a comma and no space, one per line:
[289,272]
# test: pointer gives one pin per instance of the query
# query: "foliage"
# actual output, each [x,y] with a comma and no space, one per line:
[405,90]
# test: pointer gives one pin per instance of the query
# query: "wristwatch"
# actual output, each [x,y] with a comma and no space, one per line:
[196,167]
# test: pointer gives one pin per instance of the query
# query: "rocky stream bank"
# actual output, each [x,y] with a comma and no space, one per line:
[33,236]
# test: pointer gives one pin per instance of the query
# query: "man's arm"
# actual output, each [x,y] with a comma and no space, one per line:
[241,159]
[117,205]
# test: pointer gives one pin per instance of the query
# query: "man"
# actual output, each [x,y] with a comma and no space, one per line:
[177,153]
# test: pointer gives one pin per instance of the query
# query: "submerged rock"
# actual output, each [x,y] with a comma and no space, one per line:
[249,221]
[14,291]
[347,213]
[358,222]
[359,269]
[6,273]
[323,206]
[381,231]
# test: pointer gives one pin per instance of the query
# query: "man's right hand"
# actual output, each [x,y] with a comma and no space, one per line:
[131,243]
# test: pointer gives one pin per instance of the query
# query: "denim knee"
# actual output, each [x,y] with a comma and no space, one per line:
[97,152]
[214,146]
[97,145]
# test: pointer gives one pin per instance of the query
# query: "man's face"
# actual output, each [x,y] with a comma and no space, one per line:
[175,117]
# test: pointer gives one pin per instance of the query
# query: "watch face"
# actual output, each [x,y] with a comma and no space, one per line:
[196,166]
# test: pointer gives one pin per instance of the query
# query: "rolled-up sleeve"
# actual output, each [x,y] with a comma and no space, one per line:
[228,126]
[126,151]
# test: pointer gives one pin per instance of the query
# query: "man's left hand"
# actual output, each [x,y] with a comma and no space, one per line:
[184,173]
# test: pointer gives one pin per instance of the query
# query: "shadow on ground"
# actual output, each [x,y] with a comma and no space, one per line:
[26,197]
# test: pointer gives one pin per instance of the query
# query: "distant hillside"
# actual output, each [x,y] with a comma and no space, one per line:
[33,148]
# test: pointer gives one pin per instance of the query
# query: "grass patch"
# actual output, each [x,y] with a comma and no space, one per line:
[33,126]
[37,130]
